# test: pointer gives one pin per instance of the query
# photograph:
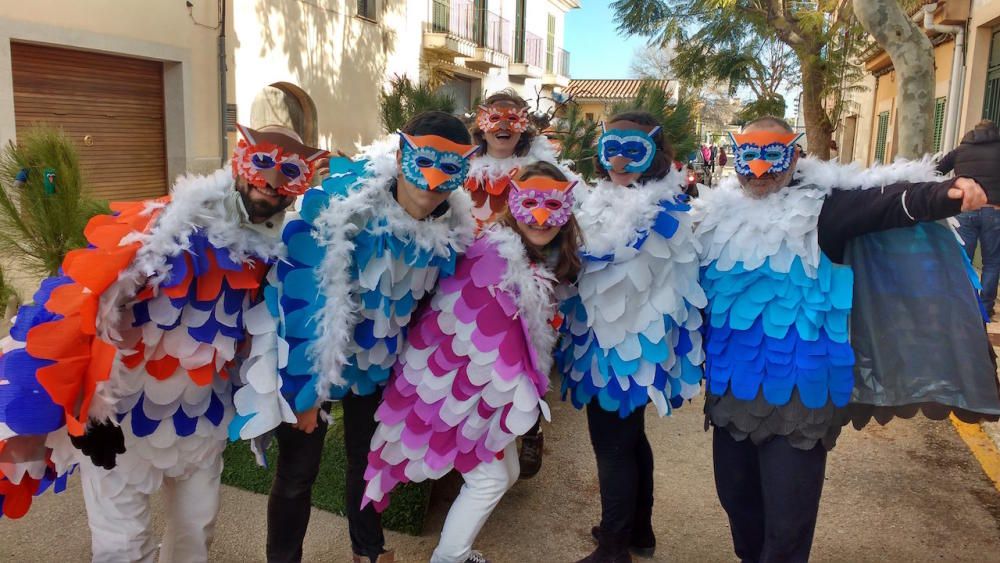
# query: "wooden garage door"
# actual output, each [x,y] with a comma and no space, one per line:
[111,106]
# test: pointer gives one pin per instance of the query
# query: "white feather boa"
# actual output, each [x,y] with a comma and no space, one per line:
[611,216]
[734,227]
[485,166]
[532,285]
[335,229]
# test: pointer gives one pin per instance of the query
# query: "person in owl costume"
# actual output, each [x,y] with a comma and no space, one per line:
[813,272]
[122,365]
[631,333]
[368,246]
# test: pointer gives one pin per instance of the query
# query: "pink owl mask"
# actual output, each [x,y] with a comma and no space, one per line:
[541,201]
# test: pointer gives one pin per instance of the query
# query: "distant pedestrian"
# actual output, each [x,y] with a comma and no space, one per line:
[978,157]
[723,159]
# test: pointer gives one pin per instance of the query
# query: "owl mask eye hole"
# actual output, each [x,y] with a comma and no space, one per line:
[450,168]
[530,203]
[291,170]
[553,204]
[424,162]
[263,161]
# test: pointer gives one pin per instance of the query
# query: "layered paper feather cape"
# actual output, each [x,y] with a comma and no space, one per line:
[632,332]
[778,311]
[473,371]
[139,329]
[357,265]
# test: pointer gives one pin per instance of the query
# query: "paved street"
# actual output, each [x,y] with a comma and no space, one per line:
[909,492]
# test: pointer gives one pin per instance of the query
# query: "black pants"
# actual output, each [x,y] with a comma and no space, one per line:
[624,470]
[771,493]
[299,456]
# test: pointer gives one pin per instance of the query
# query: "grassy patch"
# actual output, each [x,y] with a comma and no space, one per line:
[409,502]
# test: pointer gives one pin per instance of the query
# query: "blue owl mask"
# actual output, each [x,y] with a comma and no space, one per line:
[763,152]
[637,147]
[434,163]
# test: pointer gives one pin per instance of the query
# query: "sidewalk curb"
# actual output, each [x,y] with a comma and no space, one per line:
[982,447]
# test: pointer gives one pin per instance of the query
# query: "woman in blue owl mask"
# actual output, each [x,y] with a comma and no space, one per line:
[631,334]
[368,246]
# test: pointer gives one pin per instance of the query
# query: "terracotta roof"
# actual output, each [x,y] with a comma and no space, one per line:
[622,89]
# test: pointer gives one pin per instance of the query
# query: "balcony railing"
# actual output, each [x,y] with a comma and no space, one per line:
[557,62]
[531,52]
[492,32]
[452,17]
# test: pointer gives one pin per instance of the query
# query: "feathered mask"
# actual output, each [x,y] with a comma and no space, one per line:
[541,201]
[275,159]
[434,163]
[491,119]
[632,148]
[763,152]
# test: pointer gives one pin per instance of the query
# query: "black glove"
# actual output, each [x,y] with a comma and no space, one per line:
[102,443]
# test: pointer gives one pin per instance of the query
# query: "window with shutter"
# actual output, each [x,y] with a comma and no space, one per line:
[550,46]
[883,131]
[939,107]
[991,101]
[366,9]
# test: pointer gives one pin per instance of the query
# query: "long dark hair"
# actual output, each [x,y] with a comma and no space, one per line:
[664,156]
[567,243]
[523,145]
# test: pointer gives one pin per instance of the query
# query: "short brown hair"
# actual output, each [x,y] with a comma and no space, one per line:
[769,119]
[568,241]
[662,160]
[986,124]
[510,97]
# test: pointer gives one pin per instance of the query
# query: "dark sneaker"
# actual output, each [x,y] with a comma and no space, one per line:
[531,455]
[477,557]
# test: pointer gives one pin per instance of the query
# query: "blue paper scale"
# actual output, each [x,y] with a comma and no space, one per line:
[771,332]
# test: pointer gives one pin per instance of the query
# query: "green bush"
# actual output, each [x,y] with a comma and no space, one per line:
[678,126]
[404,99]
[43,219]
[405,513]
[577,138]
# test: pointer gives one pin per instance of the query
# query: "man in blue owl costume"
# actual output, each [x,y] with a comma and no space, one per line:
[368,246]
[789,247]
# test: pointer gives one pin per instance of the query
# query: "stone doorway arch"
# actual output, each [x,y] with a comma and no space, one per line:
[283,103]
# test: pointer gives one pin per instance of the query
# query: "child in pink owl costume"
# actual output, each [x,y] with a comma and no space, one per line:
[475,367]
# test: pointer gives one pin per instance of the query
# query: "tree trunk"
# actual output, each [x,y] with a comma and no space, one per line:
[912,57]
[819,130]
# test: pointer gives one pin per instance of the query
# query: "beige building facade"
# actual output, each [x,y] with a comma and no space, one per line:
[868,132]
[159,85]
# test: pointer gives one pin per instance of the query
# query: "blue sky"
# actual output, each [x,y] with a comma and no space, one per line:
[596,49]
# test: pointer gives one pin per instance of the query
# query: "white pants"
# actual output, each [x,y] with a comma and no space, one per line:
[484,487]
[120,523]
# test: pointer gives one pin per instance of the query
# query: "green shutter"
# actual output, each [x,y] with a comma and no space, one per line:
[939,107]
[519,30]
[550,46]
[991,102]
[883,131]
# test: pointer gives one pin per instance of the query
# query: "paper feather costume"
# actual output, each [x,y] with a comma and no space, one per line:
[473,371]
[356,268]
[138,329]
[632,333]
[779,320]
[488,181]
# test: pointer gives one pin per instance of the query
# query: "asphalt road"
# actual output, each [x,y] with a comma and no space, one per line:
[907,492]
